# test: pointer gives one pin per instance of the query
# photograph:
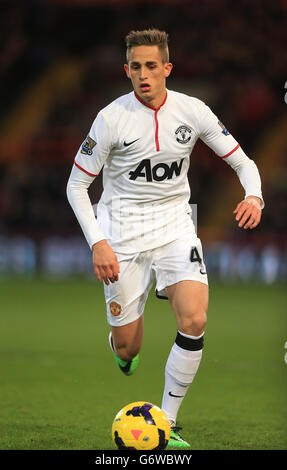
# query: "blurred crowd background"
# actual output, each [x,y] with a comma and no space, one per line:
[61,61]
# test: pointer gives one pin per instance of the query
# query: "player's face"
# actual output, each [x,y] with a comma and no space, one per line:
[148,74]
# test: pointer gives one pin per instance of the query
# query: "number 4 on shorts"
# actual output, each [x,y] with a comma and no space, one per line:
[194,256]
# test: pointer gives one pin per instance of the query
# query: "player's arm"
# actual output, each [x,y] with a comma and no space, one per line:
[87,165]
[247,212]
[105,262]
[215,135]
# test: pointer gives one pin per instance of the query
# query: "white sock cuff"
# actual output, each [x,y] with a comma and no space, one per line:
[190,336]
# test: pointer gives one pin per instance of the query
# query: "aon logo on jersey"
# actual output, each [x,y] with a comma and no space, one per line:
[159,172]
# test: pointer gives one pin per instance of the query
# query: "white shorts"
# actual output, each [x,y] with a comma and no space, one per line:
[179,260]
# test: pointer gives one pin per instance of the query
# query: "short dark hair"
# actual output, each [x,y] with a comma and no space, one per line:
[148,37]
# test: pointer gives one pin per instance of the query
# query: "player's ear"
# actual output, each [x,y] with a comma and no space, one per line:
[127,70]
[168,68]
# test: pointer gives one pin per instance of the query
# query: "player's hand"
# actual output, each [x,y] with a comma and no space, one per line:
[106,265]
[248,212]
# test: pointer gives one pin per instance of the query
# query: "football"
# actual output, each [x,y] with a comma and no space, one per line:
[141,426]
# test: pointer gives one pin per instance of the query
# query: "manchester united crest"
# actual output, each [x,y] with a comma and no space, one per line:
[183,134]
[115,309]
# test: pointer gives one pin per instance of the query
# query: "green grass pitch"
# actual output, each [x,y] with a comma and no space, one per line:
[60,387]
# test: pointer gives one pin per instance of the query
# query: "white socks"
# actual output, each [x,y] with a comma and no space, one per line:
[181,367]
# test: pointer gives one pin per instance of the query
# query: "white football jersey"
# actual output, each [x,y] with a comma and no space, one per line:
[145,155]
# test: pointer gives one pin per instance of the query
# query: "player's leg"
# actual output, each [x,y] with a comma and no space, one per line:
[189,300]
[127,339]
[125,301]
[125,342]
[182,278]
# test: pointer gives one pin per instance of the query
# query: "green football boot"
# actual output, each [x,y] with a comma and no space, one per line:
[127,367]
[175,440]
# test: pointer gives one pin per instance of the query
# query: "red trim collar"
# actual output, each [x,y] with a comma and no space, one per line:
[147,105]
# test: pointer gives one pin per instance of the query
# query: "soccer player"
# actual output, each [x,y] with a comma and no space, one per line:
[144,231]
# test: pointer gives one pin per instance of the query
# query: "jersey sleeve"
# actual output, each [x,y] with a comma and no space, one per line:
[96,147]
[214,134]
[78,197]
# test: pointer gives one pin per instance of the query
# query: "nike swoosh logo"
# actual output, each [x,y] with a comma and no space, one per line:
[204,272]
[126,144]
[176,396]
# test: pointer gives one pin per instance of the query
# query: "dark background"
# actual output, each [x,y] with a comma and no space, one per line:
[62,61]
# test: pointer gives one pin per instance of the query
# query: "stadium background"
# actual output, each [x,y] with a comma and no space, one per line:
[61,62]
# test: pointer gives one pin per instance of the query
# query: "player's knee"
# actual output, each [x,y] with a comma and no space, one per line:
[194,323]
[199,322]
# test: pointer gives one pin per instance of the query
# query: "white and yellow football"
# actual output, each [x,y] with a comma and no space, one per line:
[141,426]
